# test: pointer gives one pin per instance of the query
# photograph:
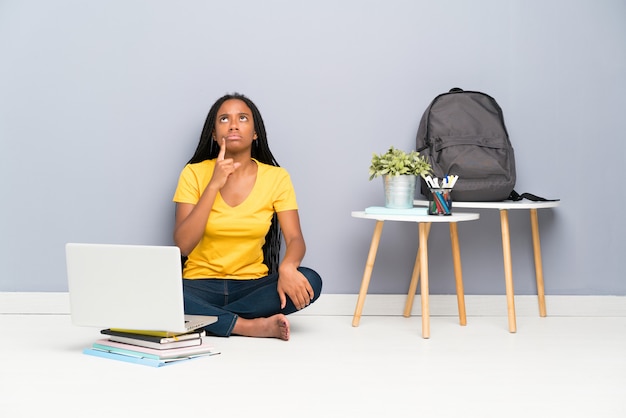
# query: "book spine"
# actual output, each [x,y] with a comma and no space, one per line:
[183,337]
[156,345]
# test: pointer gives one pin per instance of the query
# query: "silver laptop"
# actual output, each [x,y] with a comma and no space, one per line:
[133,287]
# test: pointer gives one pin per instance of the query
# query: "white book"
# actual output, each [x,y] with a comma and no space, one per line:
[155,345]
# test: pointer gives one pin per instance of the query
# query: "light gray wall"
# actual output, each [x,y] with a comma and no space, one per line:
[102,103]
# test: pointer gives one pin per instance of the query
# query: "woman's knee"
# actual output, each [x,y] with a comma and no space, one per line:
[314,279]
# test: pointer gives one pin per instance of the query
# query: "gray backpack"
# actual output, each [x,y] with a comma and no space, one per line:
[463,133]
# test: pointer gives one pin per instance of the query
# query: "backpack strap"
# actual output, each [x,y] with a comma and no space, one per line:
[515,197]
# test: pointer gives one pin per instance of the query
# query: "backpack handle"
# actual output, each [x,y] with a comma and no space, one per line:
[455,90]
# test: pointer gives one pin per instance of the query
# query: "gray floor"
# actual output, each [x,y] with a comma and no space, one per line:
[552,367]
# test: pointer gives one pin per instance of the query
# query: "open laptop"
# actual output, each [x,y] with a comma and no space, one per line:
[132,287]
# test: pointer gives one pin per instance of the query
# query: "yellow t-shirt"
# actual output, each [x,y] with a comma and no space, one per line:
[232,244]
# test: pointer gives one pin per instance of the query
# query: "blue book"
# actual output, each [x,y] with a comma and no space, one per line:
[132,359]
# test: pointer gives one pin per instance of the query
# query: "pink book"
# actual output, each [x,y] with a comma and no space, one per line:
[144,352]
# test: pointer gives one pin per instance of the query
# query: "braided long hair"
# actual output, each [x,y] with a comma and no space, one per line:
[208,149]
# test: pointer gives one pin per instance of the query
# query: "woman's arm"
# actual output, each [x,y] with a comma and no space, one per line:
[191,219]
[291,282]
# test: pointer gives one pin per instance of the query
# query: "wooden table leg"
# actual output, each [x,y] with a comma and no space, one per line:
[408,306]
[508,268]
[423,255]
[367,274]
[534,222]
[458,272]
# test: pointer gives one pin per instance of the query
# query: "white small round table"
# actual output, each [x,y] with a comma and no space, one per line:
[421,261]
[504,207]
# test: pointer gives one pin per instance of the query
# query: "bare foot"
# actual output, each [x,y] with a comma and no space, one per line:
[275,326]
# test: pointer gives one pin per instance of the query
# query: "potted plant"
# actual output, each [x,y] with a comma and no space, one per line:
[399,170]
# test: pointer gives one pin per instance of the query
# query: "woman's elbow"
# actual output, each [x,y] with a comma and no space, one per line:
[185,248]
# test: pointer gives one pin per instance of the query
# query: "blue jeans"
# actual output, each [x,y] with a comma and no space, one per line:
[229,299]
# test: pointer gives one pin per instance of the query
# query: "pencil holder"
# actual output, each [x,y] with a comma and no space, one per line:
[440,202]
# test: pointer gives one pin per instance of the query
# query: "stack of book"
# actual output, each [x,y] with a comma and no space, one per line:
[151,348]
